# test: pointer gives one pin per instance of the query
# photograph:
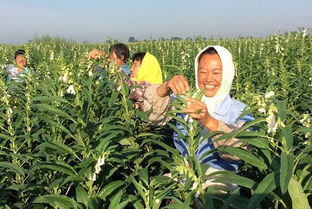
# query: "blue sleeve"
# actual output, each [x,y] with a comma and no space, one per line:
[100,72]
[126,69]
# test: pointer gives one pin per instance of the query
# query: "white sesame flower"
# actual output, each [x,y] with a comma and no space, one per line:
[71,90]
[97,169]
[272,123]
[10,110]
[61,93]
[304,32]
[194,186]
[51,56]
[197,194]
[92,177]
[303,119]
[157,201]
[262,110]
[99,163]
[64,78]
[269,94]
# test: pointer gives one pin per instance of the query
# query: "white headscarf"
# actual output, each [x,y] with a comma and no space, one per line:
[227,77]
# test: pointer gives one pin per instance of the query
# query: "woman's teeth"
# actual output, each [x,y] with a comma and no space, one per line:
[210,86]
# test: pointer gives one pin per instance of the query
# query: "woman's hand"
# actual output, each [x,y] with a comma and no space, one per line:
[96,53]
[198,110]
[177,84]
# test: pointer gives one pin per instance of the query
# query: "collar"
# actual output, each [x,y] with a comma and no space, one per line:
[223,107]
[125,66]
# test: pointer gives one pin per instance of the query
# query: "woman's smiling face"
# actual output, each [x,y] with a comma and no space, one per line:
[210,74]
[21,61]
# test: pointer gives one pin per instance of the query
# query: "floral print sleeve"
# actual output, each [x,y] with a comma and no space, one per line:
[145,98]
[13,73]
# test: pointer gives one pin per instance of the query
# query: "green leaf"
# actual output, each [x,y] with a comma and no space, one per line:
[247,110]
[257,142]
[230,199]
[161,161]
[56,166]
[105,142]
[73,178]
[3,136]
[81,195]
[298,197]
[147,135]
[178,119]
[57,125]
[245,156]
[54,110]
[49,98]
[207,201]
[242,130]
[266,186]
[164,145]
[93,203]
[135,202]
[140,188]
[18,187]
[12,167]
[288,136]
[232,178]
[304,129]
[17,123]
[281,106]
[235,201]
[59,200]
[109,188]
[143,174]
[250,124]
[115,202]
[142,115]
[58,146]
[115,128]
[175,128]
[286,171]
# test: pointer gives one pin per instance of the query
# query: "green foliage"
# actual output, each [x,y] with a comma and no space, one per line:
[69,139]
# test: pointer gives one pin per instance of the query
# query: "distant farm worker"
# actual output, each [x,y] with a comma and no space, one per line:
[215,111]
[145,67]
[119,54]
[19,69]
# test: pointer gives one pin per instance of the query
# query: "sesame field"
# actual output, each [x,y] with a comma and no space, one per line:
[69,139]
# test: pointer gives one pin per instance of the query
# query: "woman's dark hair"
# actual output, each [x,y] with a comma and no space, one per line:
[19,52]
[121,50]
[210,51]
[138,56]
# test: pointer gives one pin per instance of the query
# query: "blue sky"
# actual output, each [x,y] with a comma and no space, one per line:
[95,21]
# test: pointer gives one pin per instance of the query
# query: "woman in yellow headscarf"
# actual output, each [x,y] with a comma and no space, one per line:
[146,68]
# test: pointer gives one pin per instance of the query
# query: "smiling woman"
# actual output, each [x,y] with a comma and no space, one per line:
[210,72]
[215,111]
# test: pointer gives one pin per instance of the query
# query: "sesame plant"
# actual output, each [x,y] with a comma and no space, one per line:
[71,138]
